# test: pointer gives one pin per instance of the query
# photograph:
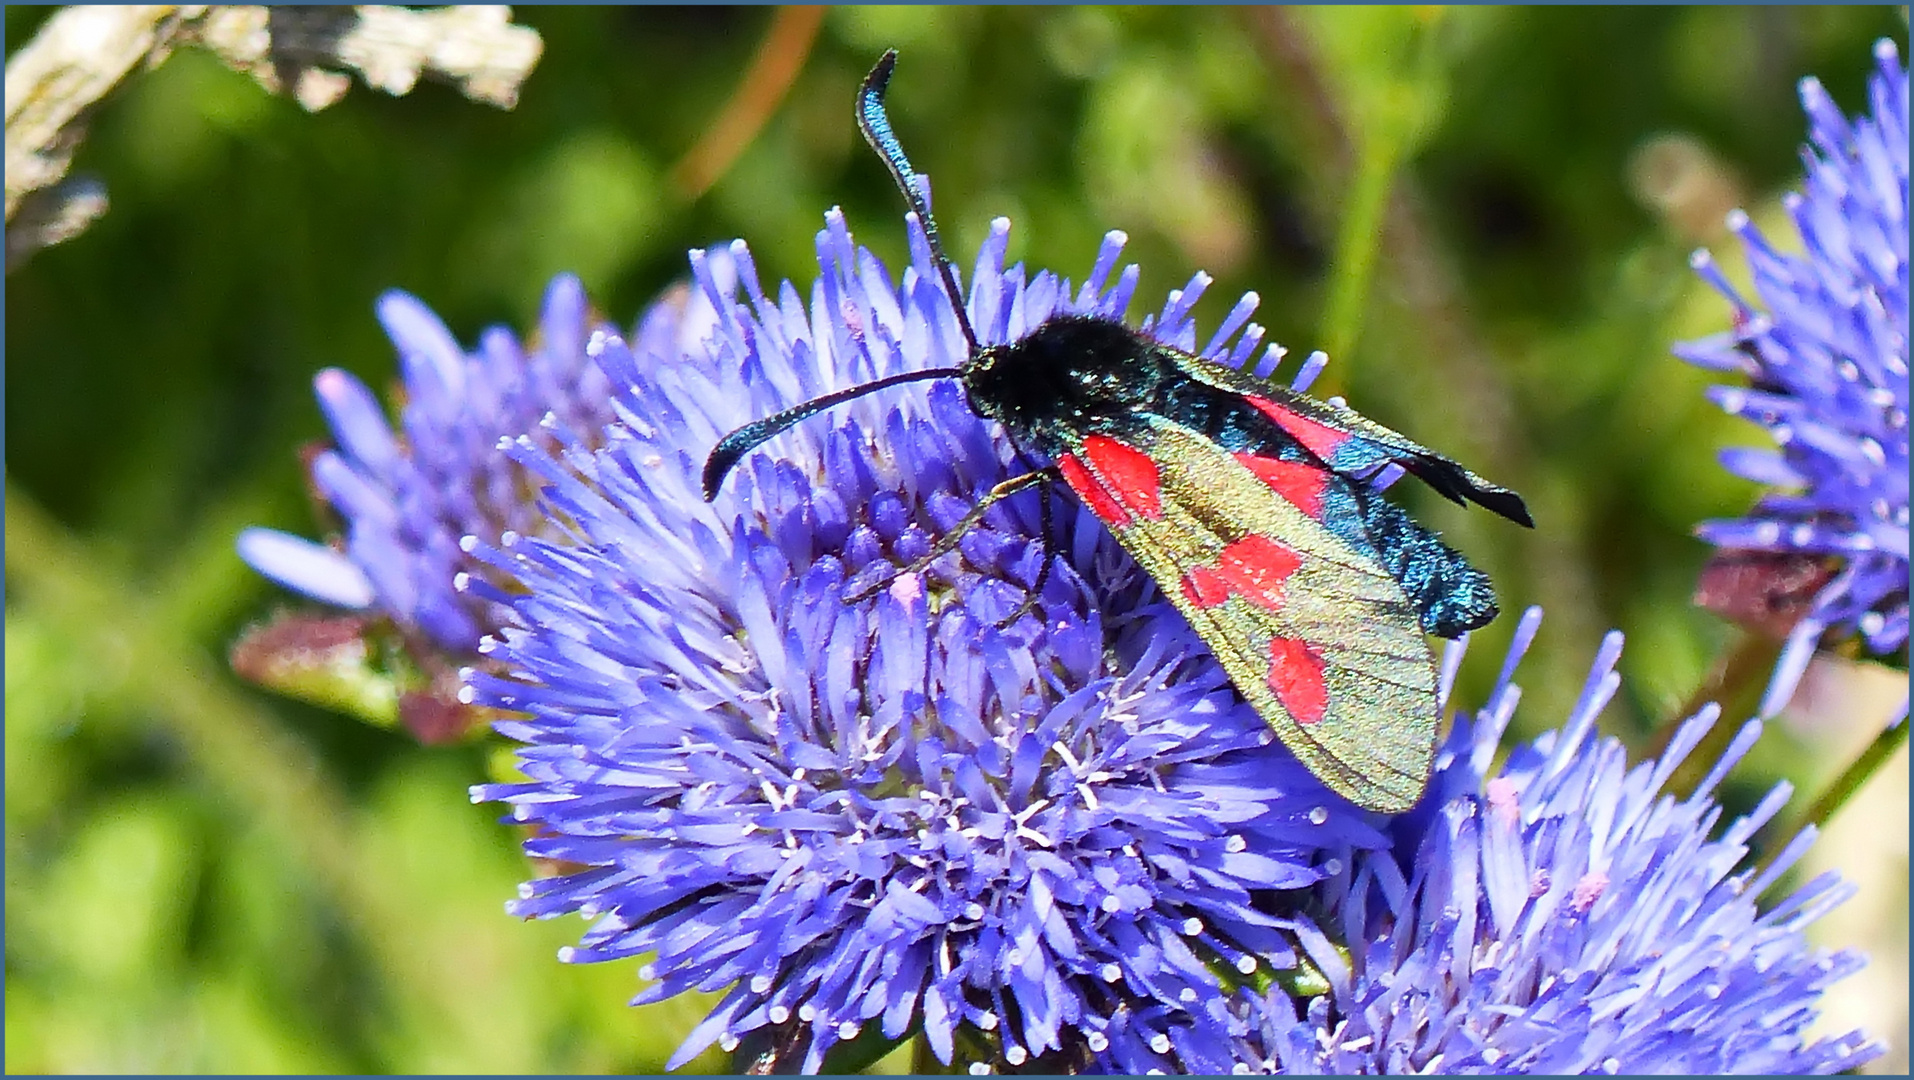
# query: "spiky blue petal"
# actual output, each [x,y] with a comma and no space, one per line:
[1558,914]
[888,812]
[1824,348]
[407,497]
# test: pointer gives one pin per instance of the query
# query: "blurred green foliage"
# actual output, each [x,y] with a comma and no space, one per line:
[1476,205]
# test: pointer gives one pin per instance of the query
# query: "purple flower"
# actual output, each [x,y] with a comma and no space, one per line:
[1825,353]
[406,499]
[1558,914]
[888,812]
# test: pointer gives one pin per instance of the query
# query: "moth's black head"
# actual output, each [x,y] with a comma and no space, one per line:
[1082,371]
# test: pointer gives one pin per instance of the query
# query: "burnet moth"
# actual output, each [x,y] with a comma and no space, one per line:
[1250,505]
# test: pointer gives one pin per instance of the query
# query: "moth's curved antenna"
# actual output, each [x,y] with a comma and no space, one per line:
[734,446]
[876,126]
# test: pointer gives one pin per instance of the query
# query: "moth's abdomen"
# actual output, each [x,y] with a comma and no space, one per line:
[1449,595]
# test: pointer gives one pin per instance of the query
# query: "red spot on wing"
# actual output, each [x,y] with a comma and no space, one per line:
[1253,568]
[1300,485]
[1296,675]
[1091,492]
[1131,475]
[1204,587]
[1321,439]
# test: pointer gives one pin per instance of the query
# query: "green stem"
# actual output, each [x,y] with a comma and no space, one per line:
[274,778]
[923,1062]
[1735,683]
[1356,247]
[1832,798]
[1852,779]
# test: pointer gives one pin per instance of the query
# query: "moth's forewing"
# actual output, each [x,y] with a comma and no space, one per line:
[1315,633]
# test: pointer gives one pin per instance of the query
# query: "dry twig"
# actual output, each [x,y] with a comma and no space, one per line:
[779,60]
[56,80]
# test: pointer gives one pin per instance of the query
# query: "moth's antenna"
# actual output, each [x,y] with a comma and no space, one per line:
[877,128]
[742,441]
[876,125]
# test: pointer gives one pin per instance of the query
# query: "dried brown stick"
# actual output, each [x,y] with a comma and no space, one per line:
[76,58]
[773,70]
[83,53]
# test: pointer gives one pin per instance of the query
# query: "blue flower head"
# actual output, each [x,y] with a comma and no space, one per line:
[890,812]
[1824,348]
[406,498]
[1559,914]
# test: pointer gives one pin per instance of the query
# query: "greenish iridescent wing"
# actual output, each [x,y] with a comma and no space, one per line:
[1316,634]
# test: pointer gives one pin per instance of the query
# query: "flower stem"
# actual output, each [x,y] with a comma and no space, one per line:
[1357,244]
[275,777]
[1852,779]
[1735,683]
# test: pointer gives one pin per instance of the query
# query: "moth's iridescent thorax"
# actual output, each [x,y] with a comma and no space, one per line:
[1084,372]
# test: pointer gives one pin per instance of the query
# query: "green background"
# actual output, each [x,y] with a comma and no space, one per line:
[1487,212]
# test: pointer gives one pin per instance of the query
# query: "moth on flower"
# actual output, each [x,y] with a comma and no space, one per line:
[1251,506]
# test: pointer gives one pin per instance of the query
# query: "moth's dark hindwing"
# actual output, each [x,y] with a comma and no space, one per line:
[1449,595]
[1314,632]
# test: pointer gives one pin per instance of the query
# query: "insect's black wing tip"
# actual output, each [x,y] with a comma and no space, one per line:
[1461,487]
[1506,503]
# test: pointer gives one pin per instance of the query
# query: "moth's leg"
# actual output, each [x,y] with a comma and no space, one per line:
[948,542]
[1043,571]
